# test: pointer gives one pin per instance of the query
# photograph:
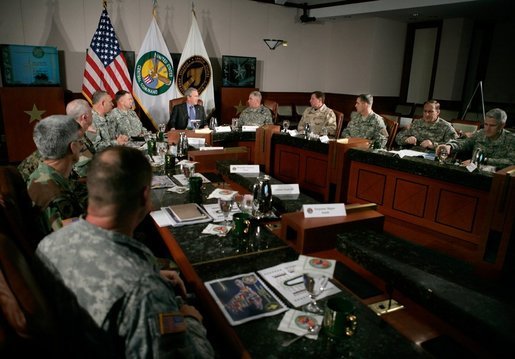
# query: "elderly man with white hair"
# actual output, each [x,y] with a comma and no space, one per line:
[58,140]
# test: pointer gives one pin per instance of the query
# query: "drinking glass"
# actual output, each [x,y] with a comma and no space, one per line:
[244,202]
[442,155]
[161,150]
[188,169]
[315,284]
[286,125]
[225,203]
[235,124]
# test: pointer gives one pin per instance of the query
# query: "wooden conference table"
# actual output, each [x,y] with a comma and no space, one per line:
[201,258]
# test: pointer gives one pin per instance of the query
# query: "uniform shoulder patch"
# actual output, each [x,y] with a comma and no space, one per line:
[171,322]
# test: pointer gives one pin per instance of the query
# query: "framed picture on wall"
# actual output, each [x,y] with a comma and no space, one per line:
[238,71]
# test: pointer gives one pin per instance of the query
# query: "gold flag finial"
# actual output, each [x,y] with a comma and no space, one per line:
[193,9]
[154,8]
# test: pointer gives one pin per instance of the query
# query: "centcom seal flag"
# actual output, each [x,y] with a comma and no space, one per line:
[194,72]
[153,76]
[154,73]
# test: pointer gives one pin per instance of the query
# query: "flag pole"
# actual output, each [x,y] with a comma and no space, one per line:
[104,4]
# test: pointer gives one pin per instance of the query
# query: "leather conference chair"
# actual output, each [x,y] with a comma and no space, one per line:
[26,318]
[274,107]
[465,128]
[180,100]
[18,218]
[339,123]
[391,127]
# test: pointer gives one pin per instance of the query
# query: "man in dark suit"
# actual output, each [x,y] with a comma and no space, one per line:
[182,114]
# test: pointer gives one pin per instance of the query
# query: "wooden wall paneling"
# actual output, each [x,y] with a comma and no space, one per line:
[233,100]
[287,164]
[22,107]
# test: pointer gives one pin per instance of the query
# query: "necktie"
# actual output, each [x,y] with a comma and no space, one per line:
[191,114]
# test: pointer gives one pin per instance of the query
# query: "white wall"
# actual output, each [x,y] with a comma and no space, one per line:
[339,56]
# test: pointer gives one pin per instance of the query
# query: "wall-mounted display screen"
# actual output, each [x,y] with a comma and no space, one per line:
[26,65]
[238,71]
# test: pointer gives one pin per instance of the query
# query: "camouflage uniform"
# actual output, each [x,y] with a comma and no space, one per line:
[116,280]
[55,196]
[499,152]
[125,122]
[105,132]
[255,116]
[31,163]
[323,117]
[371,127]
[437,132]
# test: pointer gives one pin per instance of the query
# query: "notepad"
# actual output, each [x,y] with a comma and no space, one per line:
[187,212]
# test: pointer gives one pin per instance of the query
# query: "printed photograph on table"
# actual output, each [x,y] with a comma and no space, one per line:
[244,297]
[238,71]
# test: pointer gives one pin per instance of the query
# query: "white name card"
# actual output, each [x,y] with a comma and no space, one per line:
[223,129]
[324,139]
[249,128]
[324,210]
[244,168]
[211,148]
[279,189]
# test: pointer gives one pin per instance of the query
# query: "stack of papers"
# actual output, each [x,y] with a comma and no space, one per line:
[288,280]
[180,215]
[162,182]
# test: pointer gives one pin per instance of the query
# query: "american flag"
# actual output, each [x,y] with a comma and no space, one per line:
[106,68]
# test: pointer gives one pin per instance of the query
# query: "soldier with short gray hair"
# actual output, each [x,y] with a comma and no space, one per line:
[57,139]
[496,143]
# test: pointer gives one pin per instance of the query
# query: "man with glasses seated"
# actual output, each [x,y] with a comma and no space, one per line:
[58,140]
[428,132]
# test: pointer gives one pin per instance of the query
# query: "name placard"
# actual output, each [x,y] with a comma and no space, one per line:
[211,148]
[244,168]
[279,189]
[324,210]
[324,139]
[249,128]
[223,129]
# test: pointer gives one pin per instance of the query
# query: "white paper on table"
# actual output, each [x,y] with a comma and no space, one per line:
[216,229]
[297,322]
[307,264]
[324,139]
[185,182]
[223,129]
[216,213]
[220,192]
[292,133]
[249,128]
[289,283]
[203,130]
[162,181]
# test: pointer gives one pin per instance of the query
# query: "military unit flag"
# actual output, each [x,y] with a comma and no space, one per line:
[194,69]
[153,76]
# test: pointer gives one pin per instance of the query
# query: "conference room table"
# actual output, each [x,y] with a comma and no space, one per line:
[201,258]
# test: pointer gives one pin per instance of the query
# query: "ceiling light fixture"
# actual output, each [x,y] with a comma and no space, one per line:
[273,43]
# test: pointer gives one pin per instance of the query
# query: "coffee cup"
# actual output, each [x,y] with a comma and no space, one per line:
[242,224]
[339,318]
